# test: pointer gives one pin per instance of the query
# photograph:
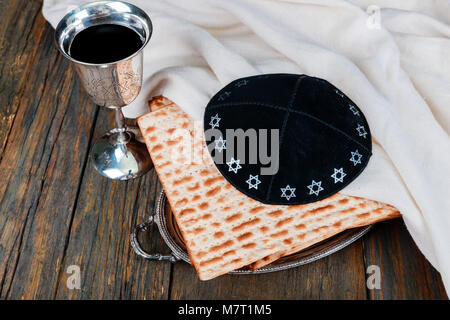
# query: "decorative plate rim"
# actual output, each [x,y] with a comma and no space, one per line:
[308,255]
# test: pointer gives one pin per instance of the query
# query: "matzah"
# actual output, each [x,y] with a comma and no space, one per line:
[224,229]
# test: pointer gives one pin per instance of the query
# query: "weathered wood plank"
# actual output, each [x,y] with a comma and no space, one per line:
[42,165]
[405,273]
[339,276]
[21,30]
[99,241]
[41,168]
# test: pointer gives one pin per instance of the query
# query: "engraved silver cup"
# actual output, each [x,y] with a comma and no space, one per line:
[117,155]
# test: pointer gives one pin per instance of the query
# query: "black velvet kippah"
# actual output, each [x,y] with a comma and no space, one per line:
[286,138]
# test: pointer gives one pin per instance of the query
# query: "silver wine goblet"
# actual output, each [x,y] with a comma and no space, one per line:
[117,155]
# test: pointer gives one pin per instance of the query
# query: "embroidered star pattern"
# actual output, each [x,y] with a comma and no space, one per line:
[354,110]
[234,165]
[224,95]
[357,159]
[253,182]
[341,174]
[313,190]
[241,83]
[214,123]
[289,195]
[361,131]
[339,93]
[220,144]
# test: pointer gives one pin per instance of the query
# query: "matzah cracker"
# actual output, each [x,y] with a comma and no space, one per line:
[224,229]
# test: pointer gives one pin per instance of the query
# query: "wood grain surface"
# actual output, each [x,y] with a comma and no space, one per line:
[56,211]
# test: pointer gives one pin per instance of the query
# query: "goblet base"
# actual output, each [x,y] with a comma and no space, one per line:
[119,156]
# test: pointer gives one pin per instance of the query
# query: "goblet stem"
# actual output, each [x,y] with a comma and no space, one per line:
[120,125]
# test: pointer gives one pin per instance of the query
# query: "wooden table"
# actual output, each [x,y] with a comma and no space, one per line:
[57,211]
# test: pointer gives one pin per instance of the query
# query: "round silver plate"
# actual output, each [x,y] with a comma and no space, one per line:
[169,231]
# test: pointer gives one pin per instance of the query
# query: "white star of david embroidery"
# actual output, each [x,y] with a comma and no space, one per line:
[341,176]
[214,123]
[361,131]
[220,144]
[289,195]
[357,159]
[339,93]
[313,190]
[234,165]
[354,110]
[224,95]
[253,185]
[241,83]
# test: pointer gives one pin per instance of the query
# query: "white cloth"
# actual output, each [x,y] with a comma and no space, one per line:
[394,62]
